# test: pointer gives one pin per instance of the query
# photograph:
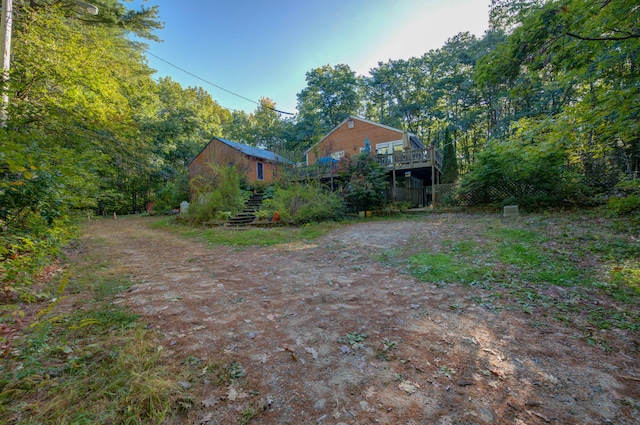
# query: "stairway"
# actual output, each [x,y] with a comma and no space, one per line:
[248,214]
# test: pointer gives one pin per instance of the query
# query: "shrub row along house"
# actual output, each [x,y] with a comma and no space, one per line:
[412,167]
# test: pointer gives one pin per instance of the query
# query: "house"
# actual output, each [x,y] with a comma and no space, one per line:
[258,165]
[412,167]
[351,136]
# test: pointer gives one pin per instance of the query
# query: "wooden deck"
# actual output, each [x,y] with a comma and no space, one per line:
[410,159]
[407,160]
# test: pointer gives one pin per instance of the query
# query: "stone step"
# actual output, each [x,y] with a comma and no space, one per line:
[247,216]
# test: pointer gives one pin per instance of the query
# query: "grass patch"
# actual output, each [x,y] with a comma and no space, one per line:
[260,236]
[94,364]
[520,262]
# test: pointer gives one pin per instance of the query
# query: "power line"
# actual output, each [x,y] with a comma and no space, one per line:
[212,84]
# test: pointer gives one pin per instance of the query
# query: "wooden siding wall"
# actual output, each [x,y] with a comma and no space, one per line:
[223,154]
[350,140]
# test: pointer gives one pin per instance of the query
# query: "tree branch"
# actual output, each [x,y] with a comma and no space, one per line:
[626,37]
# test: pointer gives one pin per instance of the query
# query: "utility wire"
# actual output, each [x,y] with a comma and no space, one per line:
[214,85]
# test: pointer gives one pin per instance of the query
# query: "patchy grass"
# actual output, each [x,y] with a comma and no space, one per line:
[94,361]
[91,364]
[258,236]
[520,263]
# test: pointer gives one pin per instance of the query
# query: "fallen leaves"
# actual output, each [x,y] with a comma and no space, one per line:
[370,393]
[312,351]
[234,395]
[210,401]
[408,386]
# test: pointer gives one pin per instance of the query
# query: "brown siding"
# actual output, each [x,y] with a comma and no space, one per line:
[223,154]
[350,140]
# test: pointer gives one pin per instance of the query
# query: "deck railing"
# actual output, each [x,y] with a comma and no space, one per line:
[409,158]
[405,159]
[315,171]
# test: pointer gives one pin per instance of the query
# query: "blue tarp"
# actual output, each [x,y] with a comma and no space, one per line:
[326,160]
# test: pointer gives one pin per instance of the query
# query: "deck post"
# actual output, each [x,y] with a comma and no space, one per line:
[433,174]
[393,181]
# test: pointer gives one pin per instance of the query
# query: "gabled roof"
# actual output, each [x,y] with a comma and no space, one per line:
[249,150]
[412,136]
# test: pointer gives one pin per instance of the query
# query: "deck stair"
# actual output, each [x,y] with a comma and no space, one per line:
[248,214]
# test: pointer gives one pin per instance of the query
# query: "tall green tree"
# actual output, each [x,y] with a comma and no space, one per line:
[331,95]
[572,65]
[268,130]
[450,162]
[184,121]
[72,138]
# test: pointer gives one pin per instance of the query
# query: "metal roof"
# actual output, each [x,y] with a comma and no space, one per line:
[253,151]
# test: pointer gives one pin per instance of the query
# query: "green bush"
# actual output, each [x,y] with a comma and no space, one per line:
[24,252]
[624,206]
[299,203]
[525,174]
[217,195]
[172,193]
[626,200]
[365,182]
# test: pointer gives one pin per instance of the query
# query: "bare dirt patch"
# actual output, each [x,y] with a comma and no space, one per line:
[325,333]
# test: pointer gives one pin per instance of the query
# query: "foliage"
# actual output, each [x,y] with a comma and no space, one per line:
[172,193]
[25,252]
[450,162]
[71,141]
[627,199]
[304,203]
[217,194]
[573,65]
[365,182]
[330,97]
[263,128]
[537,173]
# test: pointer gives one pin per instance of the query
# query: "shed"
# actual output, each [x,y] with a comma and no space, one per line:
[258,165]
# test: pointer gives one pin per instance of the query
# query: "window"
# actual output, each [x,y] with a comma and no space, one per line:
[388,147]
[260,170]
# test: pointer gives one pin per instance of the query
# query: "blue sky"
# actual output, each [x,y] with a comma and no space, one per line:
[264,48]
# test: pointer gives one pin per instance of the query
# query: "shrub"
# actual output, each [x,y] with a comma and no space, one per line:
[303,204]
[365,182]
[627,199]
[624,206]
[172,193]
[515,172]
[217,195]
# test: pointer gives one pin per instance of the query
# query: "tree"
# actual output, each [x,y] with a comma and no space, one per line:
[267,126]
[72,137]
[399,96]
[450,162]
[573,66]
[330,97]
[183,122]
[365,181]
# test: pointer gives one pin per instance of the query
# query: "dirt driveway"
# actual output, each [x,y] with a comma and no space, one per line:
[326,333]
